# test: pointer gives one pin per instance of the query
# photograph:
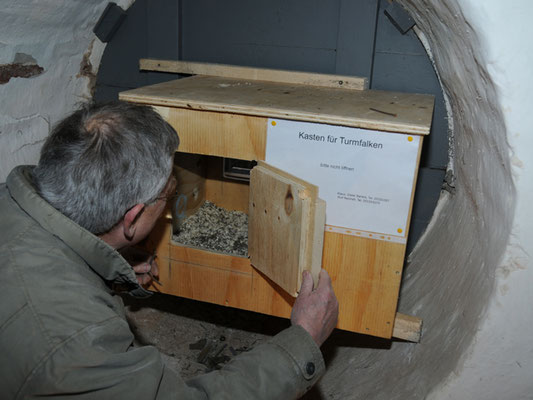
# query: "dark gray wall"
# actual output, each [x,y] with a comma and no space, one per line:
[150,29]
[351,37]
[402,64]
[330,37]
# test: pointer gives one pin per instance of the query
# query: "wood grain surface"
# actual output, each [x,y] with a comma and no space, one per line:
[368,109]
[258,74]
[282,227]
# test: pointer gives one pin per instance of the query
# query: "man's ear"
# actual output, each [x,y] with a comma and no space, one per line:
[129,220]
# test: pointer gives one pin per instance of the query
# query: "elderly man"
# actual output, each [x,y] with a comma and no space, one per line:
[100,185]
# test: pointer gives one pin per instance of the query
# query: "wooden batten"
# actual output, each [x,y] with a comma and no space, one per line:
[407,327]
[256,74]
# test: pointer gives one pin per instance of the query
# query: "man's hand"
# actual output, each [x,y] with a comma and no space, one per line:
[143,264]
[316,310]
[145,271]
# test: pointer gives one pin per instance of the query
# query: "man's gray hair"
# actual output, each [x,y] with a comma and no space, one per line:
[102,160]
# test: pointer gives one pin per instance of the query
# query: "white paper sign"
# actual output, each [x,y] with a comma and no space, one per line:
[366,177]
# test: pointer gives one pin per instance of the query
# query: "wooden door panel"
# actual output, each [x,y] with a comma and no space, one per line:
[286,227]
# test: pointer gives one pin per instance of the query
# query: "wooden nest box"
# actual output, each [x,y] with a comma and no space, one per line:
[333,188]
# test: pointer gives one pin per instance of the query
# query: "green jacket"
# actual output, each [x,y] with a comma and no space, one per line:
[63,332]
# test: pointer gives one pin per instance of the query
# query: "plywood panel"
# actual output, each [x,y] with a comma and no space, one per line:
[191,272]
[282,215]
[369,109]
[213,285]
[366,277]
[365,273]
[268,298]
[210,259]
[218,134]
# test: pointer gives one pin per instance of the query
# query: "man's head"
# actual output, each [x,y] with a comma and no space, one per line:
[103,160]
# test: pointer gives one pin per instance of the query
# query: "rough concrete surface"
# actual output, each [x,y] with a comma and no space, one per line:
[196,337]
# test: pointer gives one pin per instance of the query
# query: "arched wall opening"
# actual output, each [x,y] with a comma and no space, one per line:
[450,278]
[450,275]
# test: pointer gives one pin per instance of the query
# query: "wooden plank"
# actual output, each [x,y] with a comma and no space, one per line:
[366,275]
[368,109]
[194,256]
[282,227]
[413,187]
[213,285]
[276,215]
[317,243]
[312,242]
[249,291]
[218,134]
[366,283]
[311,189]
[407,328]
[269,298]
[256,74]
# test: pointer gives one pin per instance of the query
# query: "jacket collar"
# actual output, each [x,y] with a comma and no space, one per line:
[101,257]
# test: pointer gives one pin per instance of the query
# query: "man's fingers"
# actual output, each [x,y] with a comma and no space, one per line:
[323,279]
[155,269]
[143,279]
[142,268]
[316,311]
[307,282]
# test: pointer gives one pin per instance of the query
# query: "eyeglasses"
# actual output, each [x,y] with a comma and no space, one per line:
[167,198]
[170,187]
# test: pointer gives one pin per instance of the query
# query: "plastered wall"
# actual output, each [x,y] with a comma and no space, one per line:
[499,363]
[470,275]
[55,35]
